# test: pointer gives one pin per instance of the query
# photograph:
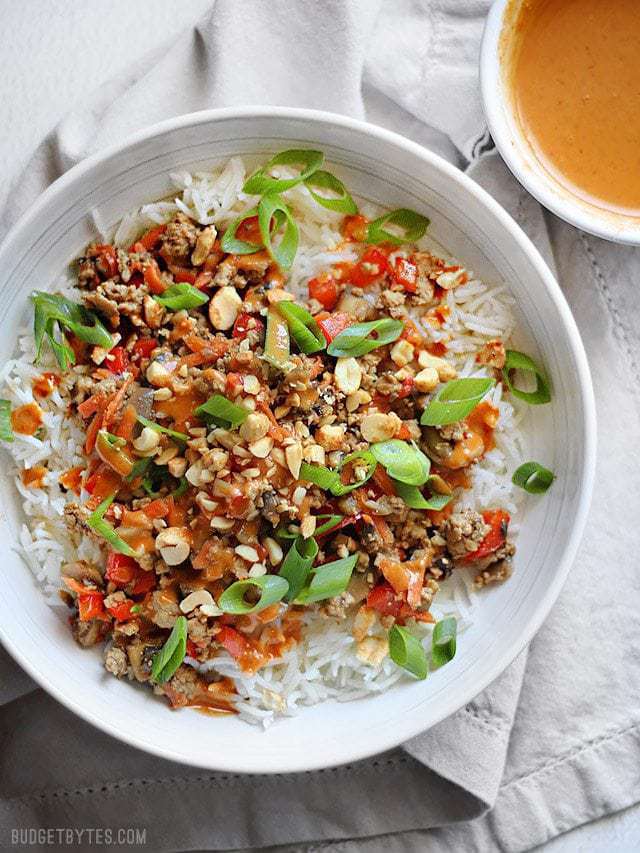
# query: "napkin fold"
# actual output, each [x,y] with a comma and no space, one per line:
[551,743]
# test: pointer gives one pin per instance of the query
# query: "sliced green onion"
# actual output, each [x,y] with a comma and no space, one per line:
[292,531]
[222,412]
[303,328]
[409,227]
[519,361]
[103,528]
[402,461]
[284,253]
[139,468]
[181,297]
[277,343]
[368,458]
[321,476]
[171,655]
[361,338]
[53,314]
[180,436]
[231,244]
[340,201]
[330,481]
[328,580]
[533,478]
[297,563]
[407,651]
[331,522]
[443,644]
[272,588]
[455,400]
[262,182]
[414,498]
[111,439]
[6,429]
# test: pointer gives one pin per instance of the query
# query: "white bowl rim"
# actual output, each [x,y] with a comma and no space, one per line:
[610,226]
[407,727]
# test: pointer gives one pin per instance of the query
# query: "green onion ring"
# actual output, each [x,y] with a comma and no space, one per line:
[272,588]
[344,203]
[519,361]
[181,297]
[261,182]
[284,253]
[443,644]
[411,223]
[297,563]
[533,478]
[356,340]
[455,400]
[328,581]
[303,328]
[407,651]
[222,412]
[171,655]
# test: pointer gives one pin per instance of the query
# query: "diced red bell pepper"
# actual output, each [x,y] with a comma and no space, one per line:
[146,581]
[334,324]
[249,231]
[153,279]
[405,272]
[183,274]
[107,261]
[406,388]
[244,323]
[117,360]
[372,265]
[383,599]
[233,641]
[122,611]
[143,348]
[498,520]
[355,228]
[325,291]
[121,569]
[192,649]
[90,605]
[151,238]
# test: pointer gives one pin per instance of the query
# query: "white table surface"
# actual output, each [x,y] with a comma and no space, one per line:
[52,54]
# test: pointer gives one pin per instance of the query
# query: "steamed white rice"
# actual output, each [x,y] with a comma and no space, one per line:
[324,665]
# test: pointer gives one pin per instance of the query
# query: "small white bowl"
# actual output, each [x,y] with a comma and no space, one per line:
[392,171]
[516,151]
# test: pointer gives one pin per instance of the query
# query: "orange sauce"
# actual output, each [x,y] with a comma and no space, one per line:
[33,477]
[44,385]
[27,419]
[180,408]
[574,69]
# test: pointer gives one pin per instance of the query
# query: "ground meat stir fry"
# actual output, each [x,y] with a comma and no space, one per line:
[204,500]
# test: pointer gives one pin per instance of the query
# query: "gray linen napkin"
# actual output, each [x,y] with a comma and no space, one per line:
[553,742]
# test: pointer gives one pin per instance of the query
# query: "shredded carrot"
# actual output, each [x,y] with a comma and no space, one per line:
[127,423]
[116,401]
[91,405]
[92,432]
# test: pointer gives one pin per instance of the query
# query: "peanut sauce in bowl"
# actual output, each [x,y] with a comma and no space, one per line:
[561,89]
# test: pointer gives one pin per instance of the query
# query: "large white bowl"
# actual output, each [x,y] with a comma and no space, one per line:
[514,147]
[392,171]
